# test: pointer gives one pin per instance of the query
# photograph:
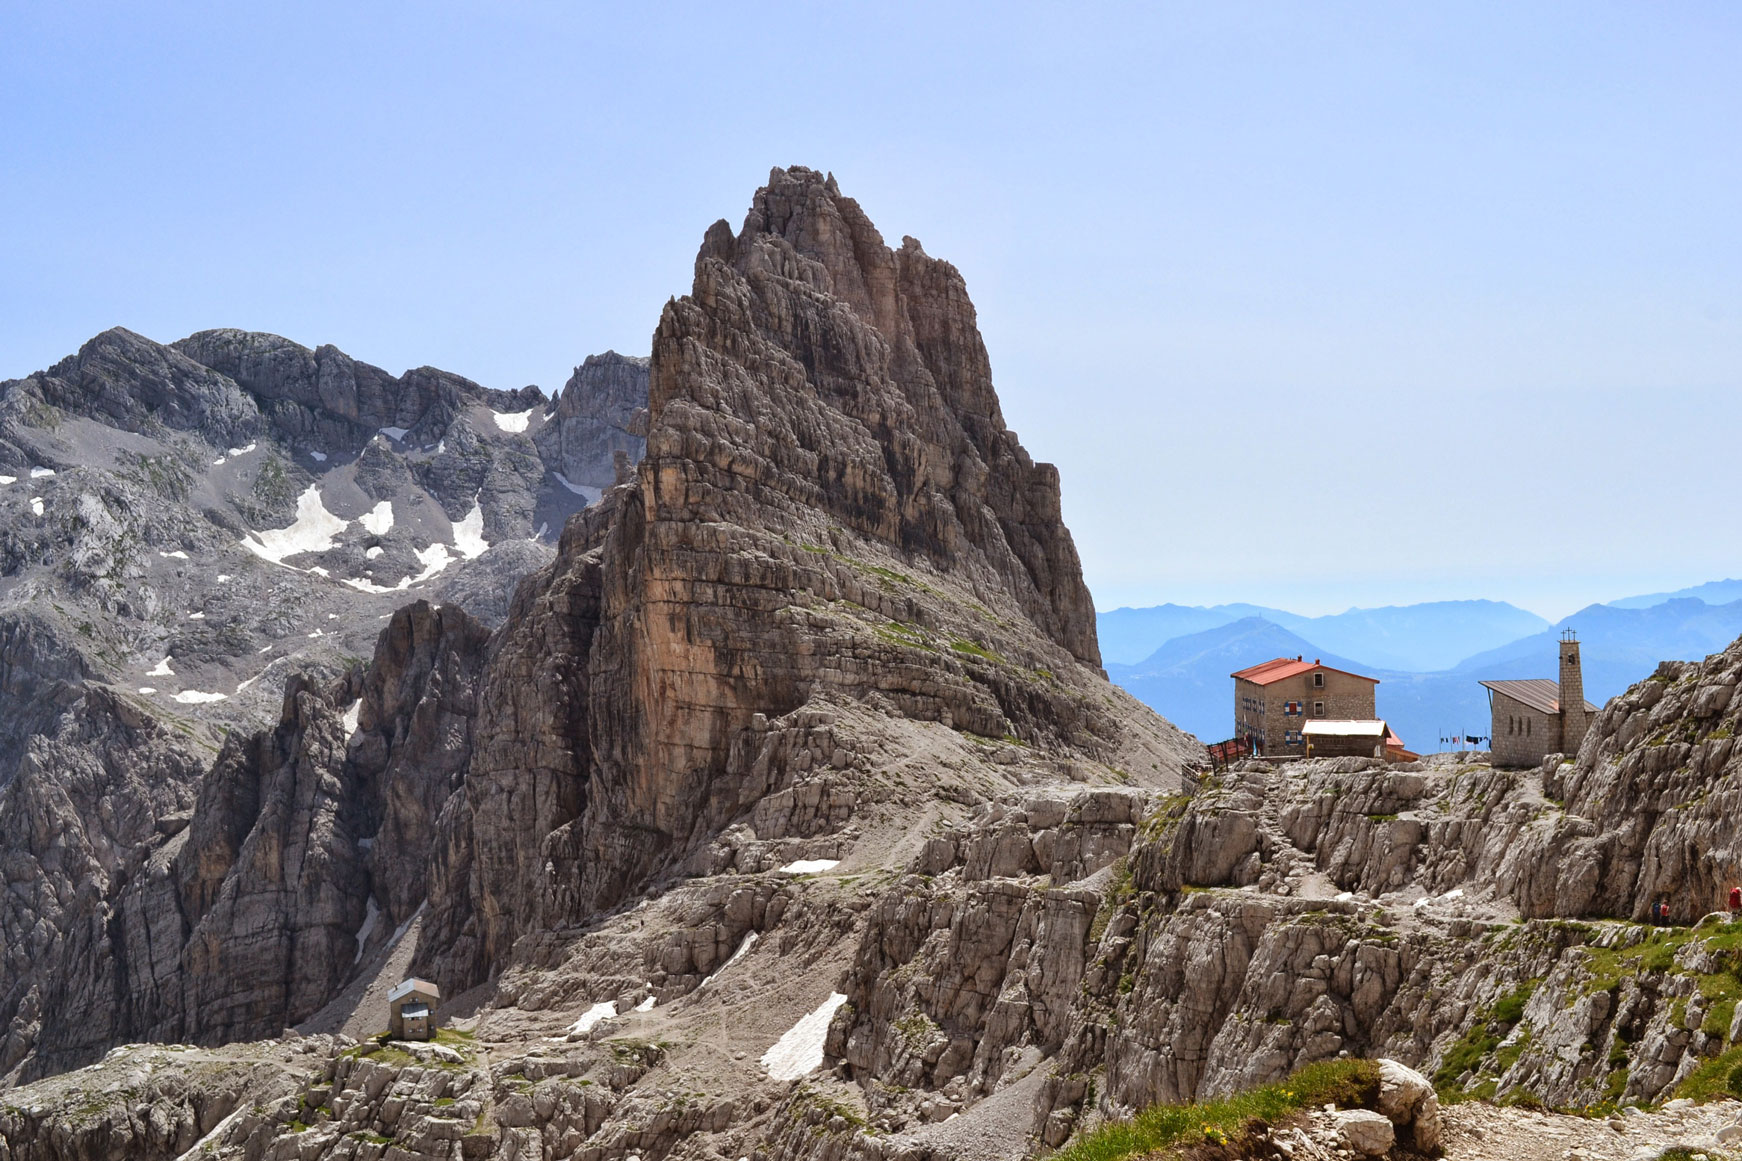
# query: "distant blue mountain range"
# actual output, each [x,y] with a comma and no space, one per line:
[1418,638]
[1185,678]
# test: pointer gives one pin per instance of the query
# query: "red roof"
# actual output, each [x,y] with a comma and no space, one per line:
[1282,667]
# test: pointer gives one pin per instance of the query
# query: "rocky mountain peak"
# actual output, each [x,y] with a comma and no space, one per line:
[868,374]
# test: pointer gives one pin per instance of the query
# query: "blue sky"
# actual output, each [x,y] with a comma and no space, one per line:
[1314,305]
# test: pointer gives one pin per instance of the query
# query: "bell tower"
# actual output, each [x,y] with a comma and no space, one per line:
[1574,720]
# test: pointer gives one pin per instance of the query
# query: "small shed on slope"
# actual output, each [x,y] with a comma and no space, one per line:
[411,1010]
[1345,738]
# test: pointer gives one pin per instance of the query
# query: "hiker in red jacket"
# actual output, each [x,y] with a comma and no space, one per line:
[1735,901]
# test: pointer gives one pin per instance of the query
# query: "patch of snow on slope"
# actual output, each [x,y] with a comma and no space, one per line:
[374,552]
[162,670]
[513,421]
[743,949]
[469,533]
[368,928]
[36,505]
[352,713]
[809,866]
[313,531]
[41,473]
[223,578]
[378,519]
[590,495]
[318,457]
[219,462]
[196,616]
[645,1005]
[147,689]
[8,480]
[195,697]
[598,1012]
[178,554]
[397,434]
[800,1051]
[434,558]
[242,451]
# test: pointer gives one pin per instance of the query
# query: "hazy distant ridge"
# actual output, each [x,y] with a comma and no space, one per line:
[1416,638]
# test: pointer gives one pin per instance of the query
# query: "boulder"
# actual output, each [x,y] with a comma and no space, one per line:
[1369,1134]
[1408,1100]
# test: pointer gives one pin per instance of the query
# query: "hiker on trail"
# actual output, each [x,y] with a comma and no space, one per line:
[1735,901]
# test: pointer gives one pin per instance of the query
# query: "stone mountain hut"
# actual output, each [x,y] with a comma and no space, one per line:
[411,1010]
[1273,702]
[1536,717]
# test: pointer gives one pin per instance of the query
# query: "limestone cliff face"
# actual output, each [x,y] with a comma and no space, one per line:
[830,507]
[601,412]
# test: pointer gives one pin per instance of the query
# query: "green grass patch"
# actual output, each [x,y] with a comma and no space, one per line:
[975,649]
[1482,1038]
[1716,1079]
[1229,1121]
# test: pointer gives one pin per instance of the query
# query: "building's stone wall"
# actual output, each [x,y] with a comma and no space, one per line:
[1522,736]
[1262,710]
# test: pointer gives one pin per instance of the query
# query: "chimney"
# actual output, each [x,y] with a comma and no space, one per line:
[1574,720]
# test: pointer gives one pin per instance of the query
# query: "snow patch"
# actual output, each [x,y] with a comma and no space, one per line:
[743,949]
[590,495]
[397,434]
[196,616]
[809,866]
[800,1051]
[469,533]
[242,451]
[195,697]
[219,462]
[162,670]
[178,554]
[602,1011]
[352,713]
[147,689]
[364,932]
[374,552]
[223,578]
[513,421]
[313,531]
[644,1006]
[318,457]
[378,519]
[36,505]
[41,473]
[8,480]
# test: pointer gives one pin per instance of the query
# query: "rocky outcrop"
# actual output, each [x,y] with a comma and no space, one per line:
[132,383]
[90,807]
[830,508]
[327,399]
[1650,804]
[601,412]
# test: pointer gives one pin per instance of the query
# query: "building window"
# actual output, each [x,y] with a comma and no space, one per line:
[1318,709]
[1318,681]
[1291,708]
